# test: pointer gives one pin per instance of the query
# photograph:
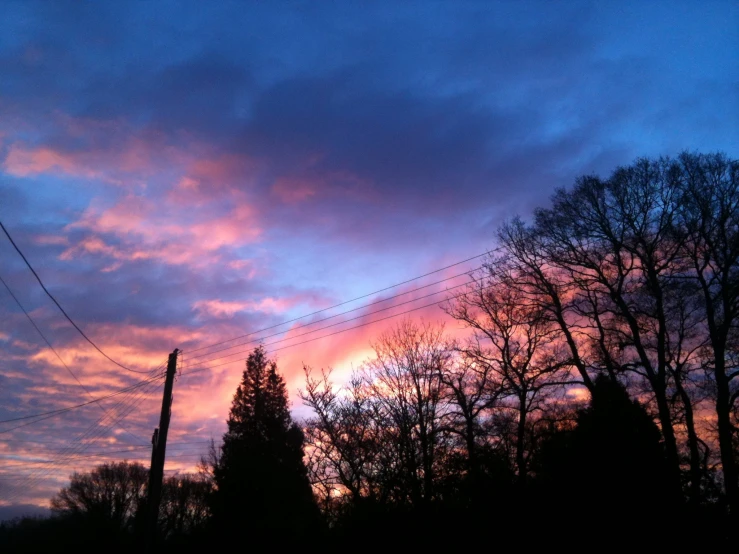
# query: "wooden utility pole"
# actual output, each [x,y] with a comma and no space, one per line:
[159,448]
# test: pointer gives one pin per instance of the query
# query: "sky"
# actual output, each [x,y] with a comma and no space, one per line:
[181,173]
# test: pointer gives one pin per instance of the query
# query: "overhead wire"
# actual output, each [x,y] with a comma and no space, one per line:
[339,322]
[58,305]
[68,454]
[52,413]
[486,253]
[96,455]
[93,432]
[364,306]
[48,343]
[199,369]
[91,464]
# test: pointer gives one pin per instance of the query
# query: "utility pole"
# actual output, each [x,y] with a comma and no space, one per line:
[159,447]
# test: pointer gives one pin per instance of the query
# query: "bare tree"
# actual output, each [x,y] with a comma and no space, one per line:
[709,210]
[471,392]
[619,239]
[342,439]
[547,287]
[380,437]
[112,492]
[518,347]
[405,377]
[184,506]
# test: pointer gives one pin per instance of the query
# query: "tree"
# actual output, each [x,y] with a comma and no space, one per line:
[709,211]
[546,287]
[184,507]
[471,391]
[344,441]
[610,469]
[261,483]
[110,500]
[378,446]
[405,376]
[518,348]
[620,242]
[111,495]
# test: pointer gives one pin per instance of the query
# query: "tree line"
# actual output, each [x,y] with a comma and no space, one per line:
[594,388]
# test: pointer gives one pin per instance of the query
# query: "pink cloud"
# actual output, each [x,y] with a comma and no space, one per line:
[51,240]
[23,162]
[293,190]
[220,308]
[114,152]
[146,232]
[208,175]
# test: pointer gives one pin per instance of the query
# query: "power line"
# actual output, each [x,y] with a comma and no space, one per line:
[70,408]
[364,306]
[81,332]
[196,370]
[98,455]
[487,253]
[93,463]
[337,323]
[93,433]
[30,441]
[48,343]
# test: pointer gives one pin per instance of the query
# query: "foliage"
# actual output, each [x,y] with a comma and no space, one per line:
[261,483]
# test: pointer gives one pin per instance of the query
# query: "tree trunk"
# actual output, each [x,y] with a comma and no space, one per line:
[668,434]
[696,471]
[726,434]
[471,451]
[520,438]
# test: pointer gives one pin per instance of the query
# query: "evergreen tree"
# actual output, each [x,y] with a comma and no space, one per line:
[261,481]
[610,469]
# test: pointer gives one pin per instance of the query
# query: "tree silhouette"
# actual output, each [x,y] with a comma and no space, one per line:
[709,213]
[110,496]
[519,347]
[260,478]
[612,464]
[108,503]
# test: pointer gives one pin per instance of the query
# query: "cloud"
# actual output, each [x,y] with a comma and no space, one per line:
[292,190]
[220,308]
[23,162]
[135,229]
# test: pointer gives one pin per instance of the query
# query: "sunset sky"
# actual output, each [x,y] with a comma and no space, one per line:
[183,173]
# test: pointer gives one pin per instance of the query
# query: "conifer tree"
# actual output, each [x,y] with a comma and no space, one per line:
[261,481]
